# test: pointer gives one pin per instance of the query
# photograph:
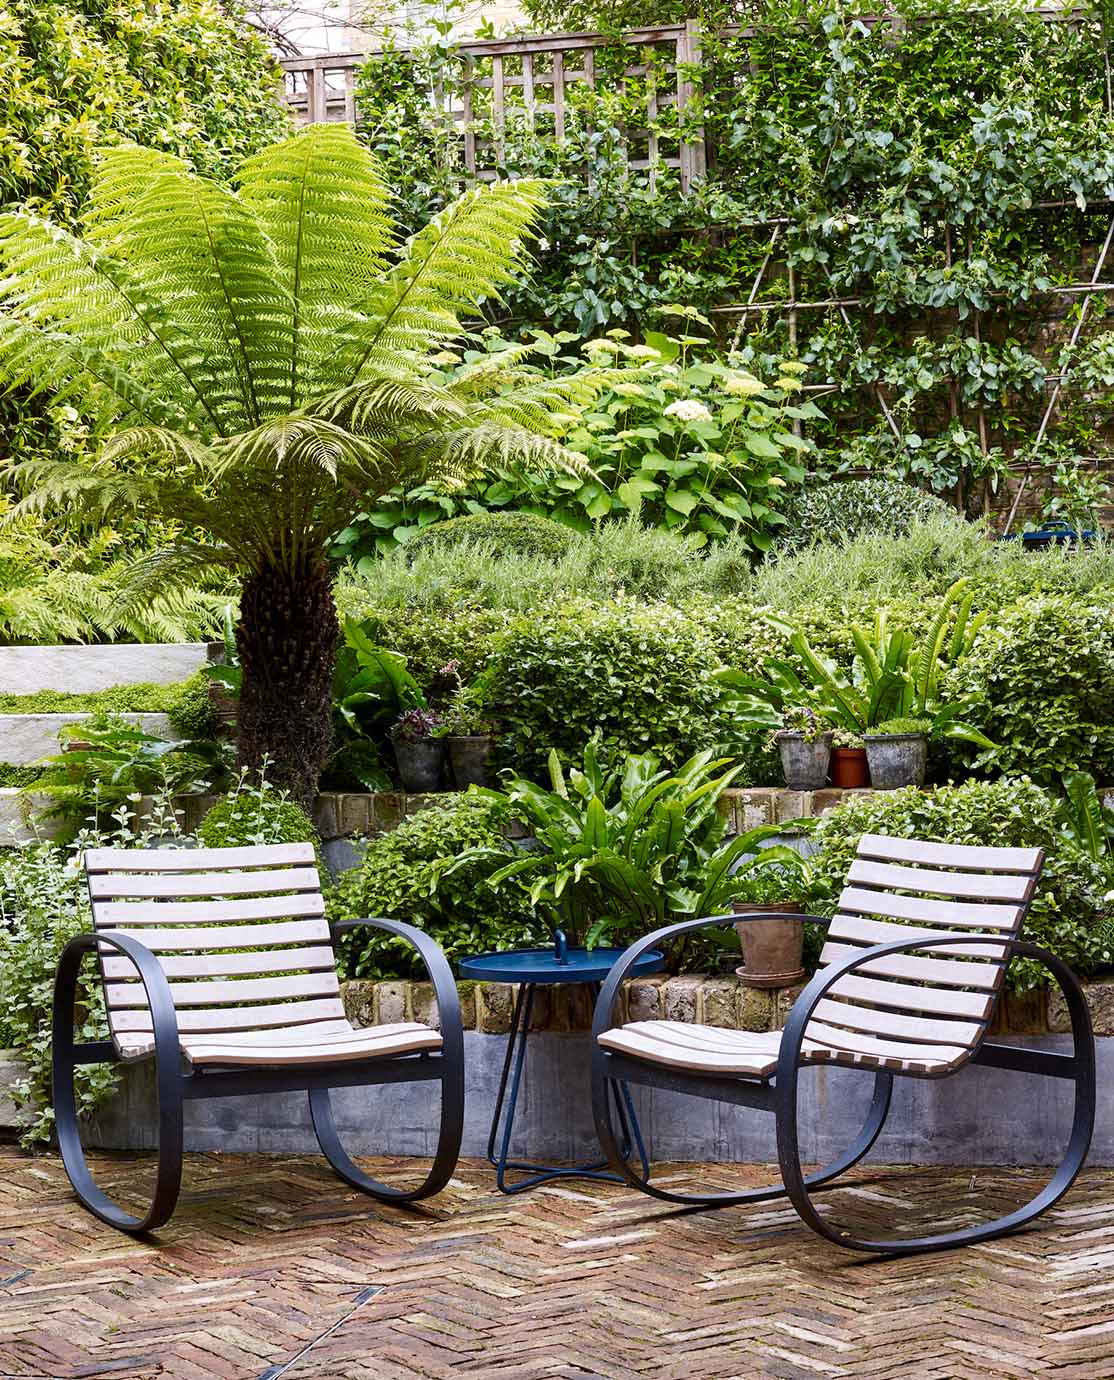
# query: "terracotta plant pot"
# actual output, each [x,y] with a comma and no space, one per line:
[772,948]
[804,763]
[849,771]
[896,760]
[471,759]
[421,765]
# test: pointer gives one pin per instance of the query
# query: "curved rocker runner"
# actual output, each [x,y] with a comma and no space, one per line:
[221,959]
[910,978]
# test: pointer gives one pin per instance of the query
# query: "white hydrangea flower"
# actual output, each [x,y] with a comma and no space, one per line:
[743,386]
[788,385]
[688,410]
[643,352]
[628,390]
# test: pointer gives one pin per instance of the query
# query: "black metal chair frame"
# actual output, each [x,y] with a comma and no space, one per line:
[175,1087]
[779,1095]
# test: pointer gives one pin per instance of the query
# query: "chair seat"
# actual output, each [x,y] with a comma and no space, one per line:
[753,1054]
[321,1042]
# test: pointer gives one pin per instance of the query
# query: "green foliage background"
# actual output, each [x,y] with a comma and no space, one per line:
[899,164]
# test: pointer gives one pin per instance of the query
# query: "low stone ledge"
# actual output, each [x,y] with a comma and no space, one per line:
[721,1000]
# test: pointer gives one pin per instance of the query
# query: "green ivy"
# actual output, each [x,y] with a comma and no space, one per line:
[906,161]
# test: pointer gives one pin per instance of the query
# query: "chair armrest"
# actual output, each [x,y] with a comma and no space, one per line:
[621,967]
[436,965]
[164,1019]
[794,1032]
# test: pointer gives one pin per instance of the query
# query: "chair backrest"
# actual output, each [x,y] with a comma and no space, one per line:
[922,1012]
[240,933]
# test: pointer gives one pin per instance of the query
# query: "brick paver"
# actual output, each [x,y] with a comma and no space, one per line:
[272,1269]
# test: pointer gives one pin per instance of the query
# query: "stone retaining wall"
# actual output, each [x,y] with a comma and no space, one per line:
[723,1001]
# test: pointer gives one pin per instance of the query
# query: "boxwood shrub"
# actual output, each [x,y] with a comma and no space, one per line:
[399,878]
[1064,916]
[505,533]
[642,675]
[842,509]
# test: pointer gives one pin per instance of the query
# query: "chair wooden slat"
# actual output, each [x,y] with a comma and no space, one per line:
[989,887]
[927,910]
[124,914]
[230,1018]
[201,939]
[195,965]
[917,1029]
[184,860]
[116,884]
[913,968]
[238,993]
[865,931]
[896,1051]
[966,856]
[904,996]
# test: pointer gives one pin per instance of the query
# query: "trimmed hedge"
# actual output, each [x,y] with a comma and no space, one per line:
[839,510]
[1042,677]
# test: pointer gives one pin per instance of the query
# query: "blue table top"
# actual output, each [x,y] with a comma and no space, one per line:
[542,965]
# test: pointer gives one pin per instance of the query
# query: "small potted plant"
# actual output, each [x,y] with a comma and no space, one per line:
[849,770]
[470,736]
[772,949]
[419,750]
[896,751]
[805,745]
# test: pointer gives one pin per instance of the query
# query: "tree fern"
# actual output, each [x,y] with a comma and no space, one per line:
[259,366]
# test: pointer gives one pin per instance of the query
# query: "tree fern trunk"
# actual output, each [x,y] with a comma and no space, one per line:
[287,640]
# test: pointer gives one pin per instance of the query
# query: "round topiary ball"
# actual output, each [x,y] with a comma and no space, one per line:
[839,509]
[508,533]
[255,814]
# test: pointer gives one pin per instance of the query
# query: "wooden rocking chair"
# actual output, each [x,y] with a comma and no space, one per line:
[910,977]
[219,964]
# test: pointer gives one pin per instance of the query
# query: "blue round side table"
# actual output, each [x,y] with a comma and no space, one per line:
[527,969]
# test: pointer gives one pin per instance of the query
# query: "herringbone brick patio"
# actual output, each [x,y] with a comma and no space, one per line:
[272,1269]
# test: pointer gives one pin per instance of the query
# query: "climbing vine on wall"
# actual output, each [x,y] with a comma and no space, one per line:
[902,201]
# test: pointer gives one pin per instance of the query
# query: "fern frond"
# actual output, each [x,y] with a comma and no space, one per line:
[385,406]
[122,174]
[458,456]
[463,257]
[321,202]
[282,446]
[49,361]
[195,250]
[149,442]
[73,486]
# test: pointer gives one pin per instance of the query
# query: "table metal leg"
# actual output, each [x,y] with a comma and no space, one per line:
[502,1122]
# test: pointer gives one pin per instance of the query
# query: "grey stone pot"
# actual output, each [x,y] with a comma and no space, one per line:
[896,759]
[805,764]
[471,759]
[421,764]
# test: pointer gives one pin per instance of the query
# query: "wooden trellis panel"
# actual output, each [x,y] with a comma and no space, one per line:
[531,81]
